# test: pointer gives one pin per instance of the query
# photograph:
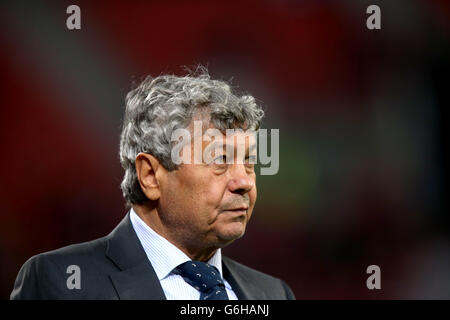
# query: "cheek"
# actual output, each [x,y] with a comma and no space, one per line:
[211,195]
[253,194]
[177,196]
[195,195]
[210,198]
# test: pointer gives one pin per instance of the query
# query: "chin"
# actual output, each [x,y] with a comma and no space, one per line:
[232,234]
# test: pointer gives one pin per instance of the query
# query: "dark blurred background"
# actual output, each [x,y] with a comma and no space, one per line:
[362,115]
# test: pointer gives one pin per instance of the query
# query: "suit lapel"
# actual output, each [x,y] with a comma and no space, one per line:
[136,278]
[138,283]
[244,289]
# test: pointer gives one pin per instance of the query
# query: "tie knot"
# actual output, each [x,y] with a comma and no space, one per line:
[202,276]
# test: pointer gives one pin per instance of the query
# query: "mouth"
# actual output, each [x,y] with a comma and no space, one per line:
[241,208]
[236,212]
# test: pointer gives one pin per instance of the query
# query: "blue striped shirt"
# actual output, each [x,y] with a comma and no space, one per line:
[164,257]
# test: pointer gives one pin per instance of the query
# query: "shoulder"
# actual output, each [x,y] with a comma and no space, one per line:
[79,251]
[260,283]
[44,276]
[249,273]
[76,254]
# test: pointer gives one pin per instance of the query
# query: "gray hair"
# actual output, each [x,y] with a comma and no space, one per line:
[160,105]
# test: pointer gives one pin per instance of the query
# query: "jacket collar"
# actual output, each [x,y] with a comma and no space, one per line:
[136,278]
[244,289]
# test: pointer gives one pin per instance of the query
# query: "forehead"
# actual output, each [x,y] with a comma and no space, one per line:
[214,138]
[202,127]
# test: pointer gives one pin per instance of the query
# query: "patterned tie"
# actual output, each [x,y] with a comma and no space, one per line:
[203,277]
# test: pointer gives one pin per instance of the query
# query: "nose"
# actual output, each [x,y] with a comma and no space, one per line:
[240,181]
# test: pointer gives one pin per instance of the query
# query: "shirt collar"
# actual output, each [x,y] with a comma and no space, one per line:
[163,255]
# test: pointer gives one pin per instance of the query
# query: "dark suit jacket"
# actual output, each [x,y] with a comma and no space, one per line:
[116,267]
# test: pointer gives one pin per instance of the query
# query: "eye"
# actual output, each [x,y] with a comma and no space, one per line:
[250,161]
[219,165]
[221,159]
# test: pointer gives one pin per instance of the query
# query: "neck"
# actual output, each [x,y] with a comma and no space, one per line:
[152,218]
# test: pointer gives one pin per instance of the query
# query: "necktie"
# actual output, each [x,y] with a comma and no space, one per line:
[203,277]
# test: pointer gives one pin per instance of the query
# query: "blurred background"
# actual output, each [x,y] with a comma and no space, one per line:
[363,126]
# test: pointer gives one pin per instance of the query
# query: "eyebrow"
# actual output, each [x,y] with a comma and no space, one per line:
[217,144]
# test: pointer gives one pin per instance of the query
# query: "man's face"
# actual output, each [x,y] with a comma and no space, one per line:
[210,203]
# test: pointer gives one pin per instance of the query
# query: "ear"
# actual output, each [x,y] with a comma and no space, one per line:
[147,167]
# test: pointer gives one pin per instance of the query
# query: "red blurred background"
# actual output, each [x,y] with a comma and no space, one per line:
[363,130]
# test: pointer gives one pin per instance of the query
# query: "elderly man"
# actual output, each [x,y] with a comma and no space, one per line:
[181,214]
